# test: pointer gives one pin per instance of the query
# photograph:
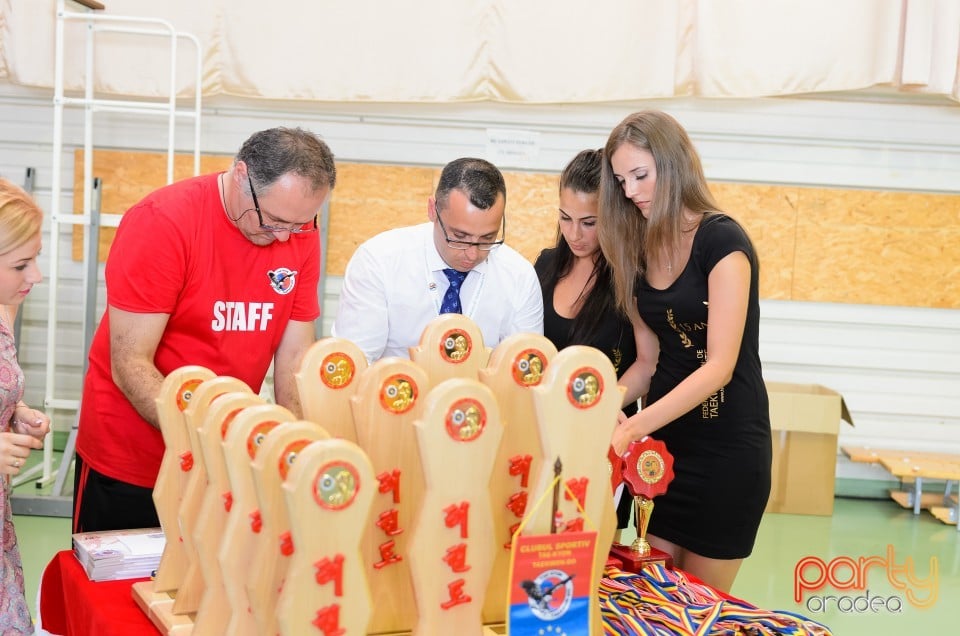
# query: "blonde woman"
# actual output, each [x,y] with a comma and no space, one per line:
[688,273]
[21,427]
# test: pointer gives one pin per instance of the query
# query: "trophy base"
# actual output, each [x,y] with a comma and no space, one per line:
[633,562]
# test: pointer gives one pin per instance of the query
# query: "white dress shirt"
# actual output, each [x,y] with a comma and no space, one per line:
[394,285]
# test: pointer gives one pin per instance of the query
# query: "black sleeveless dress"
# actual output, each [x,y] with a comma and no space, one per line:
[614,338]
[721,448]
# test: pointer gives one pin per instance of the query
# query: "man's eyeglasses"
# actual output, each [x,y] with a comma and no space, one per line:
[292,228]
[485,246]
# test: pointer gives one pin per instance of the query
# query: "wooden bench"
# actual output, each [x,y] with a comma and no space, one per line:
[915,467]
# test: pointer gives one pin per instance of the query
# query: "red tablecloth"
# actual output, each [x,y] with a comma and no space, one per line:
[73,605]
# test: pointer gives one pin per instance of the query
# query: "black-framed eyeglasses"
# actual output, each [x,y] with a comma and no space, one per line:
[293,228]
[485,246]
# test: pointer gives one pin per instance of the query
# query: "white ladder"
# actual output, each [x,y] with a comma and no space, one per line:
[56,504]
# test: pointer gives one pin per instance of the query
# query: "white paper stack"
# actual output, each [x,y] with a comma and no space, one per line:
[119,554]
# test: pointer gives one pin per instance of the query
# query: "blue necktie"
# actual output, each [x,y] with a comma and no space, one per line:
[451,299]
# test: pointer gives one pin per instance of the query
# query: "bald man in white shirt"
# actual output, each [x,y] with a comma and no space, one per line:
[401,279]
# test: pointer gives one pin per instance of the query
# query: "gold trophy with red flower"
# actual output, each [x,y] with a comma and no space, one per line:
[647,470]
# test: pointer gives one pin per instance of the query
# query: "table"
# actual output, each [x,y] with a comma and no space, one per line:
[73,605]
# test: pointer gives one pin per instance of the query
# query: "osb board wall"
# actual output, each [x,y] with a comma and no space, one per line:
[815,244]
[127,177]
[852,246]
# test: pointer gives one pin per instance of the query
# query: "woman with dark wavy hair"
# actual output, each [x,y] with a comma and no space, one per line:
[578,301]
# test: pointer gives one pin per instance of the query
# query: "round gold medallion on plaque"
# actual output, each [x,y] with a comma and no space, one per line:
[466,420]
[398,393]
[337,370]
[585,387]
[456,346]
[647,467]
[650,466]
[255,438]
[528,367]
[289,454]
[186,392]
[336,484]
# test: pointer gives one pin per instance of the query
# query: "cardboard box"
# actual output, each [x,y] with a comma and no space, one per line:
[805,422]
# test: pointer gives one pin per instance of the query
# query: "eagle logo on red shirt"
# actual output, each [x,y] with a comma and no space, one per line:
[282,280]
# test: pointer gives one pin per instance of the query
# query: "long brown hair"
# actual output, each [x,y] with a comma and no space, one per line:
[626,237]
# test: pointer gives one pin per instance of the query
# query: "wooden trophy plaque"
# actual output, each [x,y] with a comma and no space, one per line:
[328,494]
[174,397]
[389,398]
[326,381]
[191,590]
[577,405]
[273,545]
[156,597]
[214,611]
[647,471]
[451,346]
[516,365]
[452,545]
[244,437]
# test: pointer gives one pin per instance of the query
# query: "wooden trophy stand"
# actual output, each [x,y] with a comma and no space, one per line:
[328,494]
[326,381]
[389,398]
[155,597]
[273,545]
[175,394]
[451,346]
[647,471]
[214,611]
[242,442]
[191,589]
[453,545]
[517,364]
[577,405]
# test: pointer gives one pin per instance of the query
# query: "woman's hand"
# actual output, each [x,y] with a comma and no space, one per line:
[630,429]
[14,450]
[621,435]
[28,421]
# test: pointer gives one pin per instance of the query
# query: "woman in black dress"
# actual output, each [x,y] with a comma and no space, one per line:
[578,301]
[691,274]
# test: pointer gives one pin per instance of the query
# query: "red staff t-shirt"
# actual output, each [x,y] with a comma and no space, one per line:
[229,302]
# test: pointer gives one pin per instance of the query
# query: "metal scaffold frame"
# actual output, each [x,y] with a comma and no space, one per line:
[56,504]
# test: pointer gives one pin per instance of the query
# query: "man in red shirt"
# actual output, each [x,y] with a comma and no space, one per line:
[219,270]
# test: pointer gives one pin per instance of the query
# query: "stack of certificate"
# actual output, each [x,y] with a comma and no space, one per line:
[119,554]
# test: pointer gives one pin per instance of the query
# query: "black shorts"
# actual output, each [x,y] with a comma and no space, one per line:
[104,503]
